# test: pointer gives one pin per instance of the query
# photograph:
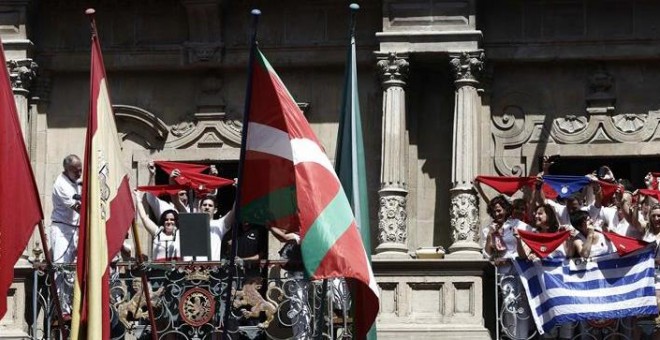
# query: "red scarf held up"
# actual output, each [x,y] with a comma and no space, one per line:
[624,244]
[543,244]
[191,176]
[505,184]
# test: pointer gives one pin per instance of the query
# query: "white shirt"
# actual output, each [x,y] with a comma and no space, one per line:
[166,247]
[63,191]
[218,229]
[562,211]
[510,241]
[601,247]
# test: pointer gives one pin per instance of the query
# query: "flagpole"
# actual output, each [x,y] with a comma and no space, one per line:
[145,282]
[51,277]
[237,206]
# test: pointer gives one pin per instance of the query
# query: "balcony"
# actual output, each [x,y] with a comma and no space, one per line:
[189,302]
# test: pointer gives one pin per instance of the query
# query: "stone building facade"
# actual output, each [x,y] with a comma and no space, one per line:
[449,90]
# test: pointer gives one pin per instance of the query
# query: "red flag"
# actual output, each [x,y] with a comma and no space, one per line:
[107,209]
[648,192]
[158,190]
[609,189]
[168,167]
[543,244]
[506,185]
[624,244]
[20,207]
[191,176]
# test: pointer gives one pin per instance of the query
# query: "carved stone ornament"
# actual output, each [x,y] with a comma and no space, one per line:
[516,131]
[467,65]
[571,123]
[22,73]
[393,70]
[464,216]
[182,127]
[205,130]
[600,91]
[392,220]
[629,122]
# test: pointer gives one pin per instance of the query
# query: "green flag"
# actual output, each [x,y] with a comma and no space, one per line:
[349,160]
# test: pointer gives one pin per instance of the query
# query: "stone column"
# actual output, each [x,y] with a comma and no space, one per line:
[22,72]
[392,228]
[464,210]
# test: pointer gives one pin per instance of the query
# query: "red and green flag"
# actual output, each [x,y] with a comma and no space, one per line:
[289,182]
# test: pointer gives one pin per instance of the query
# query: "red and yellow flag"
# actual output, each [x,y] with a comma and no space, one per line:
[19,203]
[107,209]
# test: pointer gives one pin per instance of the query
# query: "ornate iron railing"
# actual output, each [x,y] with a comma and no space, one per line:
[514,320]
[189,302]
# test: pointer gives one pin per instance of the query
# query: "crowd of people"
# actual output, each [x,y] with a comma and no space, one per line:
[586,215]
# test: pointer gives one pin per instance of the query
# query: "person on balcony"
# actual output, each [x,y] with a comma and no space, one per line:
[165,234]
[218,226]
[178,202]
[501,245]
[545,221]
[588,242]
[64,224]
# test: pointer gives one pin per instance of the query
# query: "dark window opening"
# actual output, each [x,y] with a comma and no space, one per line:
[631,168]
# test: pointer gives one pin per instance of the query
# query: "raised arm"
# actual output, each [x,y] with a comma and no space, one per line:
[584,248]
[151,166]
[635,211]
[524,252]
[148,224]
[283,236]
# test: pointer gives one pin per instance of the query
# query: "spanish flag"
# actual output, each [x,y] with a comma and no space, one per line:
[107,208]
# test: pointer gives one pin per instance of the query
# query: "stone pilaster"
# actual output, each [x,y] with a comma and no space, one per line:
[392,228]
[205,41]
[464,211]
[22,73]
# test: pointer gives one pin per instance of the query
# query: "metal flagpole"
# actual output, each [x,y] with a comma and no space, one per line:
[237,212]
[145,282]
[51,277]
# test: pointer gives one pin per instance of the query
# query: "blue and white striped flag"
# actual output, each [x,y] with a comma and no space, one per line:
[563,291]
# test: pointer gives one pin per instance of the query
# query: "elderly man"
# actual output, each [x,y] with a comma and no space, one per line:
[65,218]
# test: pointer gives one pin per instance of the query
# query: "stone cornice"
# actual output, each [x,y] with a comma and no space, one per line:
[442,267]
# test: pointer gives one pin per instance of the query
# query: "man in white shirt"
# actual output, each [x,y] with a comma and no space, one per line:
[218,227]
[65,220]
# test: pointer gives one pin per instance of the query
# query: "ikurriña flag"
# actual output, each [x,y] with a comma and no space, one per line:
[20,207]
[107,209]
[288,181]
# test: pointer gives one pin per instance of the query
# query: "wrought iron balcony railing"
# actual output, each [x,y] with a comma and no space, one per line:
[189,302]
[512,313]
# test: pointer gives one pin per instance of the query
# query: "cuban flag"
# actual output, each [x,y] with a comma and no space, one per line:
[565,186]
[562,291]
